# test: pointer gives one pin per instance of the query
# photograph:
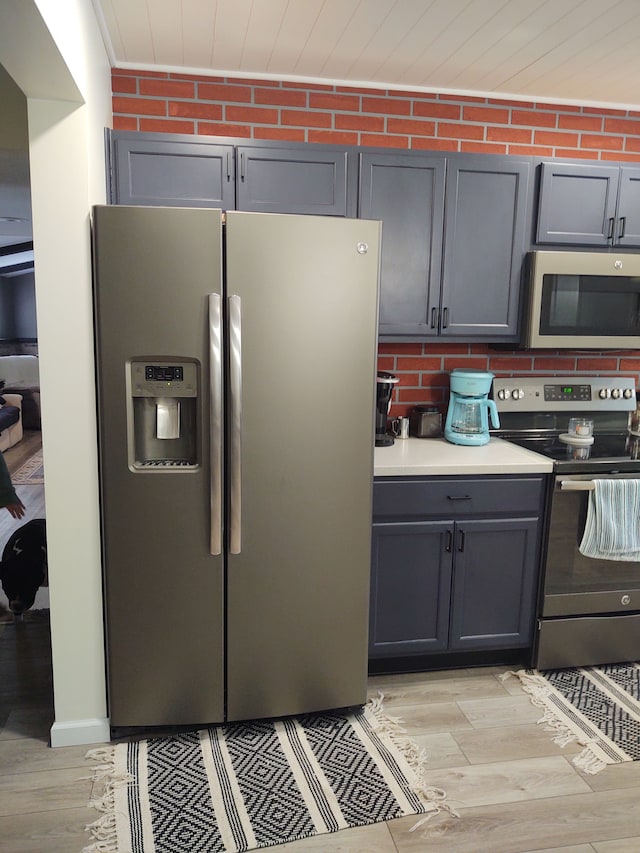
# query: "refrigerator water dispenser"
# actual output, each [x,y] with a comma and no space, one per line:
[162,414]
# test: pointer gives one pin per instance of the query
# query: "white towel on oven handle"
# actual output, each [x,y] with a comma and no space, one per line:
[612,528]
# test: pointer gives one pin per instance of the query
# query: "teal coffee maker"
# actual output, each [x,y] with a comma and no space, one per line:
[469,406]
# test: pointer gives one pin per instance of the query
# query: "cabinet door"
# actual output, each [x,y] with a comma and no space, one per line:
[173,173]
[577,204]
[494,585]
[291,180]
[487,207]
[627,231]
[407,193]
[410,588]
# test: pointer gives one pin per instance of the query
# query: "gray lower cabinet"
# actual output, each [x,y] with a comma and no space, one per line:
[165,169]
[455,564]
[584,204]
[477,207]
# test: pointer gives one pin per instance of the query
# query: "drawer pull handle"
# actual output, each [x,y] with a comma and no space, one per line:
[458,497]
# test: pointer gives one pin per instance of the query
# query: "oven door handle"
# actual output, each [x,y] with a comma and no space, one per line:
[576,485]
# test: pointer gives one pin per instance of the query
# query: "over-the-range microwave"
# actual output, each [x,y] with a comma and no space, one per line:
[582,300]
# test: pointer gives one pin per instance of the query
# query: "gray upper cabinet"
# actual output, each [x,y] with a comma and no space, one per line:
[478,207]
[406,192]
[486,221]
[157,169]
[292,180]
[589,205]
[628,210]
[173,173]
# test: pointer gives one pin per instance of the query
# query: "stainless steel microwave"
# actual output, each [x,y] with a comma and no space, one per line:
[583,300]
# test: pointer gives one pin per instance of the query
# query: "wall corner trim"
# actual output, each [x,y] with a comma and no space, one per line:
[78,732]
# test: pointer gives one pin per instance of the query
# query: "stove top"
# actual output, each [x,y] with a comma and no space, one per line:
[535,411]
[607,453]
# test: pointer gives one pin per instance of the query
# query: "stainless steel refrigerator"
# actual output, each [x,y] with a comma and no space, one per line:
[236,358]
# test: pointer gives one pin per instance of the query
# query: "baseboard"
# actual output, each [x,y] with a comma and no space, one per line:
[78,732]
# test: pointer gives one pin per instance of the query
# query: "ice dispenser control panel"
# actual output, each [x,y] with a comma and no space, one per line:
[163,380]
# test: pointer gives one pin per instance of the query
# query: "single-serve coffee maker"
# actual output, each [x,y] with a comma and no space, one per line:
[384,389]
[469,407]
[162,398]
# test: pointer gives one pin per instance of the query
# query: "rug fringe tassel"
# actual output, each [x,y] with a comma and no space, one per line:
[103,830]
[538,689]
[432,798]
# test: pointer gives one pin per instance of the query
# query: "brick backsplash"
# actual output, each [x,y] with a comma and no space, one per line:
[423,369]
[301,112]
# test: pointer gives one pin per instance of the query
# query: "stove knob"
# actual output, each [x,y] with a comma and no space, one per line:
[517,393]
[504,394]
[603,393]
[616,393]
[627,393]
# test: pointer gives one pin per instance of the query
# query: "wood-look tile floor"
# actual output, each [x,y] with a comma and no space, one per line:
[515,790]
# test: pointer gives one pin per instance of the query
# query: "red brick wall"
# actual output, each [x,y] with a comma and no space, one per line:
[263,109]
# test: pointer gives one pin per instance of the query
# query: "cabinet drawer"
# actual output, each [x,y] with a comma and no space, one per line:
[456,497]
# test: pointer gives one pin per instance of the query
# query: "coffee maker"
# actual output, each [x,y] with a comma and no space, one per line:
[384,389]
[468,413]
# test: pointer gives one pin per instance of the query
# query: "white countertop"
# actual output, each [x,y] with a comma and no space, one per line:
[436,456]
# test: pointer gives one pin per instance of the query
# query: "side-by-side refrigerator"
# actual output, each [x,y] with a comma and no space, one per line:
[236,363]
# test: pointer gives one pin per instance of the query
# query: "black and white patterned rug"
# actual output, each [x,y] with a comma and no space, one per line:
[249,785]
[598,707]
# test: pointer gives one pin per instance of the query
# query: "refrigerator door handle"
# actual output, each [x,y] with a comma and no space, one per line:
[235,424]
[215,422]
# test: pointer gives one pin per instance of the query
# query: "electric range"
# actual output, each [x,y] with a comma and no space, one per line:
[589,608]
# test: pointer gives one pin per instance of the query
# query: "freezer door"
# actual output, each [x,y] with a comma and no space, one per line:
[302,309]
[155,269]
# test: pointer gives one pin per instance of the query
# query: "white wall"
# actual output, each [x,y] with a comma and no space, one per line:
[54,52]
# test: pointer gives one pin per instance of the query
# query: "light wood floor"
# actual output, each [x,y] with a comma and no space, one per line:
[515,790]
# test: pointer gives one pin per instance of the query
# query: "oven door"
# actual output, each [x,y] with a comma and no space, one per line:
[575,584]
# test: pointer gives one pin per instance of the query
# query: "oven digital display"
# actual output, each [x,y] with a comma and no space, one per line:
[567,393]
[163,373]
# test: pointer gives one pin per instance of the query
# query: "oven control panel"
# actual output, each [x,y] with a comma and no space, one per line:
[564,393]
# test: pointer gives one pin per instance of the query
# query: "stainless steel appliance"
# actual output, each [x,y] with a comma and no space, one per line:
[425,422]
[467,420]
[589,608]
[236,524]
[581,300]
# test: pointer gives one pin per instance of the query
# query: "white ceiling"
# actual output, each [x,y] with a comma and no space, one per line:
[581,50]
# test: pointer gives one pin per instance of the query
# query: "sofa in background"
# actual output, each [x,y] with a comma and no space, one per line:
[21,375]
[10,420]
